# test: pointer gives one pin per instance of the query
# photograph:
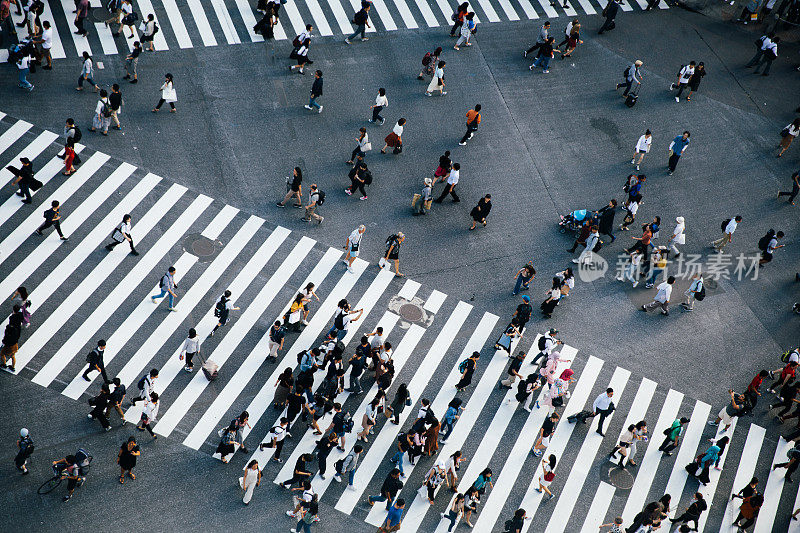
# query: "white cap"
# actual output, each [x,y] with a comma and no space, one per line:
[23,432]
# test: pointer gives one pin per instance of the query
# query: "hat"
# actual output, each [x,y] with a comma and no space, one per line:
[24,160]
[526,298]
[428,181]
[552,331]
[638,63]
[679,220]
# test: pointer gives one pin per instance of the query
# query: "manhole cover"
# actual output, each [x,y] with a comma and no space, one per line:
[201,246]
[100,14]
[411,312]
[620,478]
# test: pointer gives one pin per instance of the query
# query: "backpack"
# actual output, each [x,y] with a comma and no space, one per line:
[300,356]
[155,29]
[141,382]
[793,453]
[106,110]
[348,424]
[78,135]
[626,72]
[542,343]
[91,357]
[338,321]
[426,60]
[725,224]
[462,366]
[701,294]
[296,42]
[785,355]
[763,242]
[320,197]
[130,18]
[367,178]
[37,7]
[219,308]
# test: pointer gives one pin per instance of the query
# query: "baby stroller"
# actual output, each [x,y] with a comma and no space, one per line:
[574,220]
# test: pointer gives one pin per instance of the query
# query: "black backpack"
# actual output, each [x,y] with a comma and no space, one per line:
[320,197]
[220,307]
[130,18]
[300,356]
[338,321]
[106,111]
[763,242]
[91,357]
[701,294]
[141,382]
[367,178]
[78,135]
[626,72]
[725,224]
[542,343]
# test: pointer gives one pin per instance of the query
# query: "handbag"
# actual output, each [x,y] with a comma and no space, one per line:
[408,402]
[142,26]
[367,147]
[383,262]
[558,401]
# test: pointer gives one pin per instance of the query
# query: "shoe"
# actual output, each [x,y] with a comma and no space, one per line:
[637,167]
[337,478]
[671,86]
[363,197]
[134,252]
[320,220]
[298,206]
[546,72]
[575,261]
[443,93]
[320,109]
[66,498]
[677,99]
[643,308]
[307,106]
[648,286]
[280,204]
[713,423]
[524,53]
[348,192]
[64,238]
[87,379]
[600,433]
[364,39]
[462,144]
[347,41]
[172,309]
[135,80]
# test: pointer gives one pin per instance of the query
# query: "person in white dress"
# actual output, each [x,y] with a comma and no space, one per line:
[250,480]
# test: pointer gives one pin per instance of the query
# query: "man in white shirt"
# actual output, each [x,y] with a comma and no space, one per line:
[642,148]
[691,293]
[683,79]
[678,237]
[452,181]
[44,43]
[603,406]
[121,234]
[352,245]
[662,297]
[727,235]
[770,54]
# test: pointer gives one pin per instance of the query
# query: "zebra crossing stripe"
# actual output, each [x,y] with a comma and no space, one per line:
[587,7]
[446,394]
[106,39]
[773,490]
[744,473]
[548,9]
[710,489]
[586,455]
[434,302]
[599,508]
[225,22]
[200,19]
[342,20]
[249,20]
[652,457]
[488,9]
[528,9]
[176,21]
[320,22]
[427,13]
[12,134]
[508,10]
[145,10]
[558,442]
[405,14]
[81,42]
[294,17]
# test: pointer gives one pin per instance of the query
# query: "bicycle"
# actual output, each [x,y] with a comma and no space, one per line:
[58,476]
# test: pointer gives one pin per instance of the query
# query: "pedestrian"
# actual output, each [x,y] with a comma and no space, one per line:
[433,480]
[467,369]
[553,296]
[749,490]
[523,278]
[116,102]
[250,480]
[429,62]
[358,362]
[302,502]
[395,138]
[394,518]
[473,120]
[115,400]
[696,288]
[770,54]
[659,265]
[748,512]
[468,29]
[360,176]
[101,119]
[603,406]
[662,297]
[11,337]
[316,90]
[773,245]
[301,473]
[673,435]
[149,415]
[128,20]
[391,486]
[392,253]
[610,13]
[21,296]
[614,527]
[591,243]
[678,237]
[222,310]
[361,22]
[545,433]
[368,420]
[191,347]
[401,400]
[87,73]
[686,72]
[632,74]
[227,443]
[275,437]
[347,466]
[451,178]
[99,405]
[122,233]
[642,149]
[693,512]
[145,386]
[149,32]
[795,188]
[422,204]
[513,371]
[728,228]
[544,35]
[315,199]
[437,81]
[81,14]
[788,135]
[24,179]
[131,62]
[70,155]
[548,472]
[573,39]
[115,8]
[168,287]
[25,449]
[362,147]
[454,510]
[293,189]
[481,211]
[381,102]
[676,149]
[126,458]
[168,94]
[44,44]
[353,244]
[23,68]
[793,454]
[788,373]
[52,217]
[544,55]
[95,360]
[458,18]
[694,81]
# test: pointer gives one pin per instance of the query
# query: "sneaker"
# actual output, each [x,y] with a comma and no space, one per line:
[351,487]
[671,86]
[172,309]
[444,93]
[648,286]
[537,453]
[337,478]
[364,39]
[280,204]
[633,161]
[307,106]
[524,53]
[320,220]
[637,167]
[347,41]
[677,99]
[546,72]
[320,109]
[713,423]
[462,144]
[530,67]
[363,197]
[187,369]
[348,192]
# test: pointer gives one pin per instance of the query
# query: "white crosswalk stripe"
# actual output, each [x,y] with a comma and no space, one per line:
[112,284]
[329,18]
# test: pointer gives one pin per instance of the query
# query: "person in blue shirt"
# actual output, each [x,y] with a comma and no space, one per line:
[676,149]
[394,518]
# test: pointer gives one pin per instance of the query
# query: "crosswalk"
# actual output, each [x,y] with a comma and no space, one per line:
[80,292]
[205,23]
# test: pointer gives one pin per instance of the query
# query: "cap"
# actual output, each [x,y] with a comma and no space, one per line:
[526,298]
[23,432]
[428,181]
[679,220]
[553,331]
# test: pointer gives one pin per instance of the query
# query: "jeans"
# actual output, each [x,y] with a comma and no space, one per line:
[382,498]
[397,459]
[302,526]
[355,383]
[340,334]
[522,284]
[23,81]
[452,516]
[470,131]
[88,78]
[167,293]
[356,152]
[448,427]
[376,113]
[312,102]
[656,272]
[362,28]
[542,61]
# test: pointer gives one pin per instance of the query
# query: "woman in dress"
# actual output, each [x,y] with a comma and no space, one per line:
[553,296]
[788,134]
[481,211]
[308,293]
[547,476]
[283,385]
[368,420]
[471,500]
[507,338]
[395,138]
[523,278]
[250,480]
[437,81]
[363,145]
[639,434]
[227,445]
[168,94]
[126,459]
[427,70]
[694,81]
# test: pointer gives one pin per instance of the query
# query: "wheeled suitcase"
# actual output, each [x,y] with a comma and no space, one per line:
[581,416]
[210,368]
[632,97]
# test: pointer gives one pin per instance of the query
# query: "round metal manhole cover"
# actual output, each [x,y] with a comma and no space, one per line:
[202,247]
[620,478]
[411,312]
[100,14]
[710,283]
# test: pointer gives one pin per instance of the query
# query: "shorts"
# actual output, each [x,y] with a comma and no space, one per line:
[766,257]
[273,348]
[9,350]
[546,441]
[354,253]
[642,151]
[724,417]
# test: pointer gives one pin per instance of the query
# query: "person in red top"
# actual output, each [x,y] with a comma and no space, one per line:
[752,393]
[473,119]
[787,374]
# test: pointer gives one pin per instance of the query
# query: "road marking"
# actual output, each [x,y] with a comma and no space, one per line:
[427,13]
[176,21]
[200,19]
[434,302]
[225,22]
[320,22]
[146,9]
[12,134]
[405,14]
[599,508]
[772,492]
[106,40]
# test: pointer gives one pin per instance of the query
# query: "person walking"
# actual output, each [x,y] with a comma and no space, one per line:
[573,39]
[392,253]
[429,62]
[793,454]
[293,189]
[454,511]
[610,13]
[686,72]
[553,296]
[394,518]
[25,449]
[748,512]
[673,435]
[642,149]
[381,102]
[676,149]
[250,480]
[395,138]
[425,199]
[467,369]
[275,437]
[10,340]
[728,228]
[315,199]
[122,233]
[548,475]
[773,245]
[729,411]
[347,466]
[149,415]
[316,91]
[24,179]
[362,147]
[545,433]
[44,44]
[694,81]
[87,73]
[678,237]
[132,62]
[361,21]
[72,135]
[544,55]
[795,188]
[544,35]
[513,372]
[695,288]
[659,265]
[101,119]
[126,458]
[95,360]
[149,33]
[168,288]
[222,310]
[168,94]
[468,29]
[191,347]
[603,406]
[23,68]
[788,135]
[145,386]
[128,20]
[523,278]
[458,18]
[662,297]
[693,512]
[481,211]
[605,226]
[391,486]
[52,217]
[115,400]
[116,102]
[358,362]
[81,14]
[360,176]
[473,120]
[99,405]
[591,243]
[353,246]
[770,54]
[761,44]
[437,81]
[632,75]
[450,188]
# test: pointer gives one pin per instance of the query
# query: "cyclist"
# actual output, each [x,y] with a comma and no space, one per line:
[74,468]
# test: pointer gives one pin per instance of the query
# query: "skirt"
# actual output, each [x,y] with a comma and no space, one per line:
[504,342]
[786,141]
[281,393]
[433,85]
[393,140]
